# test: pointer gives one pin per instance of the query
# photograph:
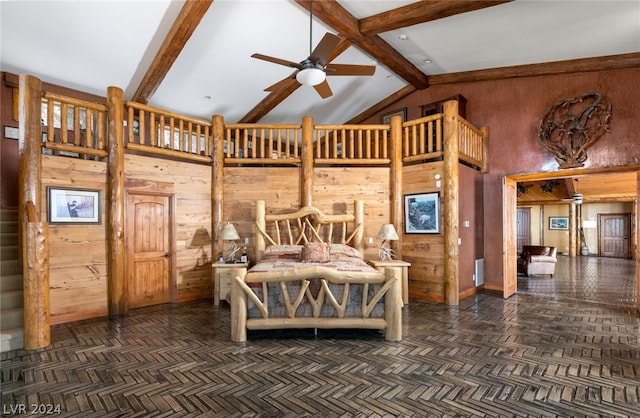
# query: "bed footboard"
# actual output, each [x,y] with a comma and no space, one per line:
[389,290]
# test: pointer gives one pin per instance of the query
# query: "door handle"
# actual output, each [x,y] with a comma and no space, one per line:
[167,255]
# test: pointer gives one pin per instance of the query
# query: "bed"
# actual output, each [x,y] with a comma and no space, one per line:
[310,273]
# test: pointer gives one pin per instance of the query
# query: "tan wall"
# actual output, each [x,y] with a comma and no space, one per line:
[590,212]
[77,253]
[554,237]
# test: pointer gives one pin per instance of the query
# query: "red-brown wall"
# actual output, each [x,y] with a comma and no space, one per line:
[512,109]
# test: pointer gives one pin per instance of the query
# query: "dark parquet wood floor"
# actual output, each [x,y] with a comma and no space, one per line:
[566,346]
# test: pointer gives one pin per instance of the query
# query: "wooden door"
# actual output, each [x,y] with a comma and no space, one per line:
[148,250]
[509,263]
[614,233]
[523,228]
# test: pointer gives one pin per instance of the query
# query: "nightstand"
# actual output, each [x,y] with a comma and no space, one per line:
[222,279]
[380,265]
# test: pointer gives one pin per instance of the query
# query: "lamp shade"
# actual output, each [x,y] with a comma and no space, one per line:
[229,232]
[310,76]
[388,232]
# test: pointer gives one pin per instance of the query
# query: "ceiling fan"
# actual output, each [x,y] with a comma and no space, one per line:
[313,70]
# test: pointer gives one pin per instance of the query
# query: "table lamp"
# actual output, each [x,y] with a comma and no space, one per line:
[387,233]
[229,233]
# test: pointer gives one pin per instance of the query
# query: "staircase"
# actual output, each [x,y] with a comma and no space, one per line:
[11,295]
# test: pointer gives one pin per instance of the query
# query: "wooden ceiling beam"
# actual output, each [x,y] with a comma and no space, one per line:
[420,12]
[337,17]
[183,27]
[610,62]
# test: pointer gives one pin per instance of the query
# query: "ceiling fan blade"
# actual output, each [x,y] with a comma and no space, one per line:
[280,61]
[346,69]
[282,83]
[323,89]
[325,48]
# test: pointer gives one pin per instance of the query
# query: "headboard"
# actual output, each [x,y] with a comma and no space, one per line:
[308,224]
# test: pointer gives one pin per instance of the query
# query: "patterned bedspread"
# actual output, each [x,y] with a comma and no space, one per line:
[286,257]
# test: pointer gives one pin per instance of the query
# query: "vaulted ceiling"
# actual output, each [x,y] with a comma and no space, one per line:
[194,57]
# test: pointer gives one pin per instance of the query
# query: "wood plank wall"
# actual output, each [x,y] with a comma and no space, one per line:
[425,252]
[77,253]
[190,187]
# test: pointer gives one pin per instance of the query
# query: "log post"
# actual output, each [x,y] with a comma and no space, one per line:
[573,229]
[34,235]
[260,244]
[393,305]
[238,309]
[485,149]
[306,182]
[450,203]
[358,211]
[116,284]
[395,180]
[37,322]
[217,183]
[29,156]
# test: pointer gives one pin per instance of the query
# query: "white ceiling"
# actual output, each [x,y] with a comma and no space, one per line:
[90,45]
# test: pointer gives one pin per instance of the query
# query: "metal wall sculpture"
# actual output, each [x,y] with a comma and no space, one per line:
[572,125]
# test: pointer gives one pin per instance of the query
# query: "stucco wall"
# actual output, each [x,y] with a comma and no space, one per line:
[512,109]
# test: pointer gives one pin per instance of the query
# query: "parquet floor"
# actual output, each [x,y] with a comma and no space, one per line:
[566,346]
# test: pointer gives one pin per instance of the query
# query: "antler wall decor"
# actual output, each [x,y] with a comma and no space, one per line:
[573,125]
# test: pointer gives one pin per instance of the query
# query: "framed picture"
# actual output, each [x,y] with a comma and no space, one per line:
[422,213]
[73,206]
[558,222]
[386,117]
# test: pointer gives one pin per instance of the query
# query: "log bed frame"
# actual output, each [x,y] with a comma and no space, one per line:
[303,225]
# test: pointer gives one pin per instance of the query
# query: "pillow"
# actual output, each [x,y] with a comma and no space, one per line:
[316,252]
[346,250]
[284,251]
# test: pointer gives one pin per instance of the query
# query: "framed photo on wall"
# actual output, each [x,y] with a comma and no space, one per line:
[559,222]
[73,206]
[386,117]
[422,213]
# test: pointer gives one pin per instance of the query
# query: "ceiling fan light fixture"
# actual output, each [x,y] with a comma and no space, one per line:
[310,76]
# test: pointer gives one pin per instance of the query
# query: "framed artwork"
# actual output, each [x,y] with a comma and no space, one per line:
[386,117]
[422,213]
[558,222]
[73,206]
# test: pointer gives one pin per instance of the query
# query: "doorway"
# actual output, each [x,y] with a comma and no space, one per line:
[509,198]
[614,231]
[149,221]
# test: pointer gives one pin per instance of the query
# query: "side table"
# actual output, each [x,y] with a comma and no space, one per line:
[222,279]
[380,265]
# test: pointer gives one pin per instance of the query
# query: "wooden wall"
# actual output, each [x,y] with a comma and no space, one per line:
[190,187]
[425,252]
[77,253]
[334,191]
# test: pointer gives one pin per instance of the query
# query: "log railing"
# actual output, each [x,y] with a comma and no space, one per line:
[158,131]
[74,127]
[249,143]
[352,144]
[472,144]
[83,133]
[422,139]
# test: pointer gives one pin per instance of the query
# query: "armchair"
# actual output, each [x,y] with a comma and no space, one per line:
[537,259]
